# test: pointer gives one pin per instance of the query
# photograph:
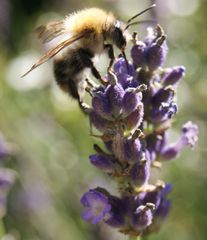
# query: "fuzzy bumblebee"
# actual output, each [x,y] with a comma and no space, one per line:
[82,36]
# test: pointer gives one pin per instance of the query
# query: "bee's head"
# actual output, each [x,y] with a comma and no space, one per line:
[117,35]
[117,32]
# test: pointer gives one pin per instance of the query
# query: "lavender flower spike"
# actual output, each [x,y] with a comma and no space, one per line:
[133,112]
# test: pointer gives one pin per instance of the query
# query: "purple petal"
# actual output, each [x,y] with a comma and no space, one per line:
[102,162]
[100,123]
[132,149]
[164,95]
[163,209]
[140,173]
[164,112]
[96,206]
[115,94]
[130,102]
[137,54]
[102,106]
[174,76]
[153,197]
[142,218]
[190,134]
[156,55]
[120,67]
[189,137]
[135,118]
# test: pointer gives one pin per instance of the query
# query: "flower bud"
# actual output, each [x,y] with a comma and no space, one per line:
[120,67]
[173,76]
[153,196]
[165,204]
[164,112]
[130,102]
[156,54]
[132,149]
[102,106]
[142,217]
[163,209]
[115,94]
[101,124]
[135,118]
[140,172]
[138,54]
[102,162]
[164,95]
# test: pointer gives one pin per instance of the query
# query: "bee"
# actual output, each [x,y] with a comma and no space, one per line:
[80,37]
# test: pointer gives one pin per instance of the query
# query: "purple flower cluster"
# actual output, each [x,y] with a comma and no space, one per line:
[133,113]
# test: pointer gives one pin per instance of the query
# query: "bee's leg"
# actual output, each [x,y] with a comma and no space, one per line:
[88,90]
[110,50]
[84,107]
[72,89]
[91,83]
[86,57]
[96,74]
[91,86]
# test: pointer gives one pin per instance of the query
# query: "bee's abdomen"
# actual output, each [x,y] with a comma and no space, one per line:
[65,76]
[67,68]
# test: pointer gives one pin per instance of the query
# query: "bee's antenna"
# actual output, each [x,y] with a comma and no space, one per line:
[140,22]
[140,13]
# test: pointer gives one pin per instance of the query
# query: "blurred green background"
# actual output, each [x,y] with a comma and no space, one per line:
[51,135]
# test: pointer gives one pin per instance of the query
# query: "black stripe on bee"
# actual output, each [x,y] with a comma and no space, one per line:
[67,68]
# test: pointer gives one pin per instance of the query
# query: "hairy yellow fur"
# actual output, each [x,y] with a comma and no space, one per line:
[92,18]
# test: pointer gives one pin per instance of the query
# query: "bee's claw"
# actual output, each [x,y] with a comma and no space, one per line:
[88,90]
[84,107]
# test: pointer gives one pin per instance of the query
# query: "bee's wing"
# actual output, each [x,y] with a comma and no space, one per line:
[51,53]
[50,31]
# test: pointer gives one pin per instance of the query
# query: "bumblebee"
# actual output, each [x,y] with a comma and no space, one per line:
[80,37]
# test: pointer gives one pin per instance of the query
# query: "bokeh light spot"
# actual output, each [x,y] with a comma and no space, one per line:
[184,7]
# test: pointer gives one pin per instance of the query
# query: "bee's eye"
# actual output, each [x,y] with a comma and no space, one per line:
[119,38]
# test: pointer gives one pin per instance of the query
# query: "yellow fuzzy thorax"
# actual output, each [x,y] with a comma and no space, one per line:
[91,18]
